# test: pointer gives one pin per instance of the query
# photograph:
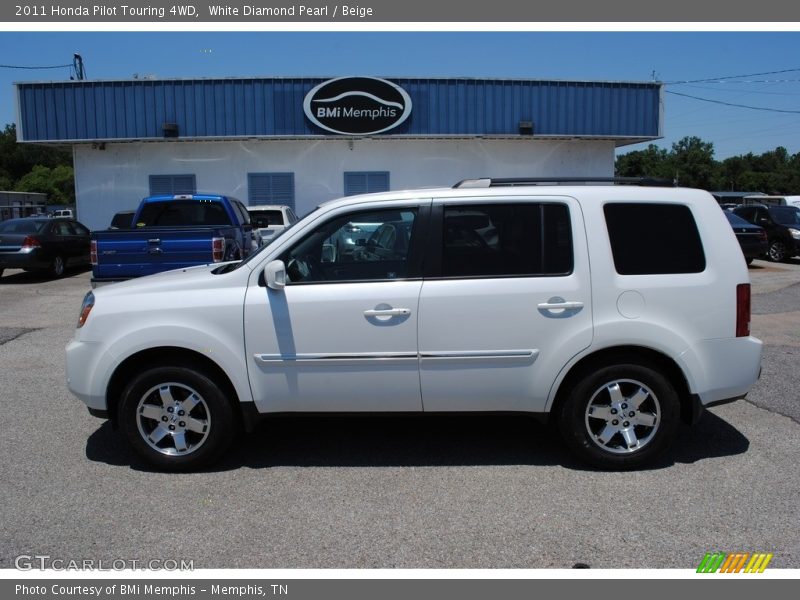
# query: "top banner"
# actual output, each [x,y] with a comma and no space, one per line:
[409,11]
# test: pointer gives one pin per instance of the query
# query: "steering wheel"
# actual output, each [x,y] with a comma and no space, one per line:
[304,268]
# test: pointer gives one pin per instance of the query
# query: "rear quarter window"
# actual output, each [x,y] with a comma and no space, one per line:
[653,239]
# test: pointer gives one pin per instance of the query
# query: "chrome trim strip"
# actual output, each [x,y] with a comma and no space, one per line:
[336,359]
[503,356]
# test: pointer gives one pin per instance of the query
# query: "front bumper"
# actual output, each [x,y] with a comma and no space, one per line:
[84,359]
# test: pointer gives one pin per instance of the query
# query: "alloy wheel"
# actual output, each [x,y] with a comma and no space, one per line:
[622,416]
[173,419]
[777,251]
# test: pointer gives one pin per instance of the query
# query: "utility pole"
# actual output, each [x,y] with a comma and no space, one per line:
[77,64]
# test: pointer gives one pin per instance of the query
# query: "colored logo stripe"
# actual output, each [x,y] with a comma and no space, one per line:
[734,563]
[758,563]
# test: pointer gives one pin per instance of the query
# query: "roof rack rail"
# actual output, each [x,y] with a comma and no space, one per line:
[486,182]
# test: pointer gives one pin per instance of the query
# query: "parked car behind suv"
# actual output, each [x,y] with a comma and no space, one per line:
[43,244]
[752,238]
[491,296]
[270,220]
[782,224]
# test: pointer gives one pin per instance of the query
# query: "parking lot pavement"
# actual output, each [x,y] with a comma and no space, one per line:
[444,492]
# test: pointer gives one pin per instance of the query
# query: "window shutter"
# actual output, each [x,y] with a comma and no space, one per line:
[270,188]
[172,184]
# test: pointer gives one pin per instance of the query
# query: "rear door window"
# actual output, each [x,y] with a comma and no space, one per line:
[506,240]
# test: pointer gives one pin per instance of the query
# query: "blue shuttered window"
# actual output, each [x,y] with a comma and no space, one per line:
[270,188]
[364,182]
[172,184]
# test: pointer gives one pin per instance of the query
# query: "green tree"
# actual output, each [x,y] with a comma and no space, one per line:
[57,183]
[651,162]
[18,161]
[692,163]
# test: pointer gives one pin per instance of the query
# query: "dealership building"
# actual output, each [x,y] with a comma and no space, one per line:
[302,141]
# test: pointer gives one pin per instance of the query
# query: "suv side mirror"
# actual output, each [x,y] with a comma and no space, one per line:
[275,275]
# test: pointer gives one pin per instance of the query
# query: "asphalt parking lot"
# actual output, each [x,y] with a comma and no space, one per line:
[440,492]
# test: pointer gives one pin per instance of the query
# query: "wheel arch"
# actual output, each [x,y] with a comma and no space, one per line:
[636,355]
[165,356]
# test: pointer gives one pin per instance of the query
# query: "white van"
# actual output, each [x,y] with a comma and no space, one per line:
[64,213]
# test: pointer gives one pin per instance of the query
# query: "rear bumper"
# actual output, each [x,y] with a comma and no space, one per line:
[754,250]
[23,260]
[725,369]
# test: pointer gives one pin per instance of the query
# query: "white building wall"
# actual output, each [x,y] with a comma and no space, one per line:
[116,178]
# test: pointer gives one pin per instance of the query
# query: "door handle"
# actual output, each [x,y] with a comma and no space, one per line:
[387,312]
[560,305]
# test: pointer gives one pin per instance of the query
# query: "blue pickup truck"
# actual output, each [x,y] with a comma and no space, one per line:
[173,232]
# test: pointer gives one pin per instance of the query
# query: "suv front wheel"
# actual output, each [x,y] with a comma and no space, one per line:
[176,418]
[619,416]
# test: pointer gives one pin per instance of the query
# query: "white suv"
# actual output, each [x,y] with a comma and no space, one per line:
[617,310]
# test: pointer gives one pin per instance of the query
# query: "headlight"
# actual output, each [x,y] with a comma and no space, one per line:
[86,308]
[795,233]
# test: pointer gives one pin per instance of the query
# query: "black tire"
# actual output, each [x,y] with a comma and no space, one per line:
[58,266]
[778,251]
[749,261]
[634,415]
[176,418]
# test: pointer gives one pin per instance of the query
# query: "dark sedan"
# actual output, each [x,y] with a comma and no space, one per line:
[752,238]
[43,244]
[782,224]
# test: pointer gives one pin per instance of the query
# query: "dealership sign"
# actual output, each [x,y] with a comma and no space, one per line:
[357,105]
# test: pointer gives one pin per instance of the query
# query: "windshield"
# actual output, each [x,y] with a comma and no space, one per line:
[785,215]
[22,226]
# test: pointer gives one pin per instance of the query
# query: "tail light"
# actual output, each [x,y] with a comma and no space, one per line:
[218,249]
[93,253]
[743,310]
[762,236]
[29,243]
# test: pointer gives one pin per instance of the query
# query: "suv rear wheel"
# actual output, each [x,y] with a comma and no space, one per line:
[620,416]
[176,418]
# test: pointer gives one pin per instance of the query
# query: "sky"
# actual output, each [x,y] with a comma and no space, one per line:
[760,70]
